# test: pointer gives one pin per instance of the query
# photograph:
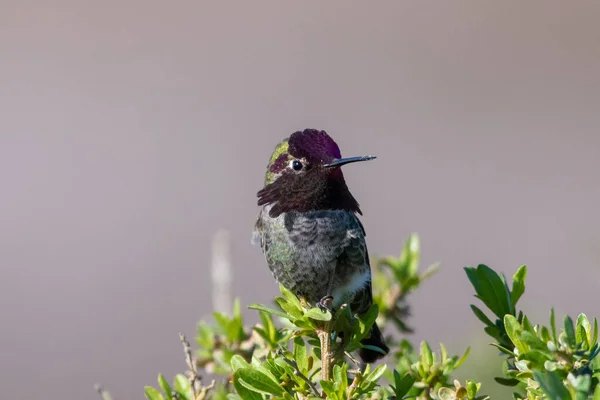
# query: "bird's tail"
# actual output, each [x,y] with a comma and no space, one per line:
[376,339]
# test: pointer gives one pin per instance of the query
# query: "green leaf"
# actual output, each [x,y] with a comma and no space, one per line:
[329,389]
[238,362]
[205,335]
[533,341]
[410,255]
[570,332]
[463,358]
[260,307]
[493,332]
[269,327]
[513,330]
[287,369]
[583,331]
[402,384]
[317,314]
[265,367]
[595,335]
[527,326]
[472,389]
[426,355]
[503,349]
[245,393]
[262,333]
[537,357]
[511,308]
[444,353]
[580,383]
[183,387]
[152,394]
[481,316]
[300,355]
[304,324]
[337,374]
[493,291]
[410,283]
[291,309]
[258,382]
[552,385]
[222,321]
[235,330]
[507,382]
[340,376]
[597,392]
[237,310]
[376,374]
[545,334]
[164,385]
[518,286]
[473,278]
[553,325]
[365,323]
[291,298]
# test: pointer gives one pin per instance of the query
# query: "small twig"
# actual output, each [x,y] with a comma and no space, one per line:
[354,360]
[353,385]
[221,271]
[297,372]
[102,392]
[198,391]
[204,390]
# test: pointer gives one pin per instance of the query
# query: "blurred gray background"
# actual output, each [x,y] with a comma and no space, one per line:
[131,131]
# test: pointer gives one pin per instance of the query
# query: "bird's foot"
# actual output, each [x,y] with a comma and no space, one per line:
[325,304]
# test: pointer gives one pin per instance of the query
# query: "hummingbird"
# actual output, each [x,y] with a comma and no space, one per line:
[309,232]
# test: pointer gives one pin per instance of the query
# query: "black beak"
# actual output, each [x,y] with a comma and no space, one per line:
[338,162]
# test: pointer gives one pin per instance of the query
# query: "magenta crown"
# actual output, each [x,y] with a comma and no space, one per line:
[314,145]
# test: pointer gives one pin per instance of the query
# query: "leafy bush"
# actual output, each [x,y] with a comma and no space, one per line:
[297,352]
[540,362]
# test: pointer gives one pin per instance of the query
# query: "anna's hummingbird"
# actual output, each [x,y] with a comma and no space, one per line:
[308,230]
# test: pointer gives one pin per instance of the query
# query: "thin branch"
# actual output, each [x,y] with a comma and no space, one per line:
[102,392]
[199,392]
[354,360]
[353,385]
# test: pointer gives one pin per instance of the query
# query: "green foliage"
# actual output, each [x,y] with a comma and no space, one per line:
[394,278]
[219,342]
[301,352]
[429,371]
[283,356]
[179,390]
[541,363]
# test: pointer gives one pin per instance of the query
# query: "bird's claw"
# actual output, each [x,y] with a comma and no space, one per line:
[325,304]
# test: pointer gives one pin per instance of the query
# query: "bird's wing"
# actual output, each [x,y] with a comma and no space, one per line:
[363,299]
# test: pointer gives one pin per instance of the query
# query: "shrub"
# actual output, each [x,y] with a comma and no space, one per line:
[297,353]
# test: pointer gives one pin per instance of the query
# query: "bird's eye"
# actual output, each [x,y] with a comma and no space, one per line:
[297,165]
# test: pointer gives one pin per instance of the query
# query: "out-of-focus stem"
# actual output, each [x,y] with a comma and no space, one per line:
[221,271]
